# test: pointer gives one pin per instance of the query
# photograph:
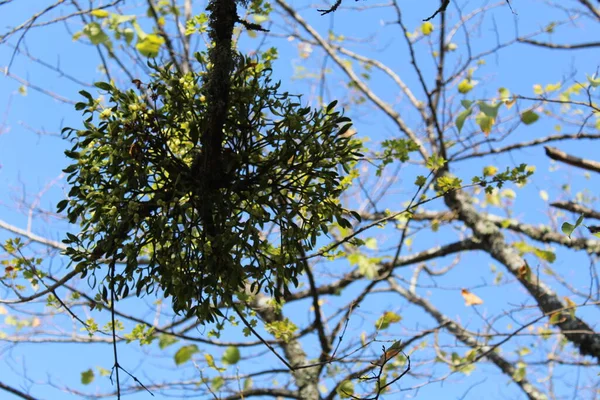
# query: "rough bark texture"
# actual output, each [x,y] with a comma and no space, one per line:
[307,379]
[223,15]
[580,334]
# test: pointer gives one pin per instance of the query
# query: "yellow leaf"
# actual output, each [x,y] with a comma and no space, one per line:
[465,86]
[537,89]
[510,103]
[100,13]
[470,298]
[551,87]
[490,170]
[485,122]
[427,28]
[572,306]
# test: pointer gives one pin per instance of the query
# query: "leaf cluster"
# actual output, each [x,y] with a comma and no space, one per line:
[138,195]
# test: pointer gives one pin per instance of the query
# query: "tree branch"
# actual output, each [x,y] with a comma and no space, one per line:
[461,334]
[16,392]
[576,208]
[561,156]
[493,242]
[560,46]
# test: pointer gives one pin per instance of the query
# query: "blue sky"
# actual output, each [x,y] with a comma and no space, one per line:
[31,162]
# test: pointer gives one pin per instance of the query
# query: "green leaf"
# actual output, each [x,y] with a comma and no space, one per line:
[568,228]
[185,353]
[231,356]
[103,86]
[545,255]
[367,268]
[386,319]
[217,383]
[129,34]
[435,162]
[371,243]
[62,205]
[491,110]
[345,390]
[259,19]
[87,377]
[460,120]
[94,32]
[150,45]
[466,103]
[485,123]
[210,361]
[421,180]
[529,117]
[165,341]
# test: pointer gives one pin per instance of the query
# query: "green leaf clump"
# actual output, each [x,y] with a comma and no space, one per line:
[144,200]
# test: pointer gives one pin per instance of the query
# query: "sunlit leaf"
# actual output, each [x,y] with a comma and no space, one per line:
[165,341]
[185,353]
[150,45]
[426,28]
[465,86]
[386,319]
[259,19]
[94,32]
[100,13]
[485,123]
[470,298]
[231,356]
[593,80]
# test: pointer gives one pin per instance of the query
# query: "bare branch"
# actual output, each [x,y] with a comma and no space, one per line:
[14,391]
[389,111]
[494,243]
[531,143]
[561,156]
[461,334]
[576,208]
[560,46]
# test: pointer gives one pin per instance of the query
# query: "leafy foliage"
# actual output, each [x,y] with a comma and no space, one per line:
[138,192]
